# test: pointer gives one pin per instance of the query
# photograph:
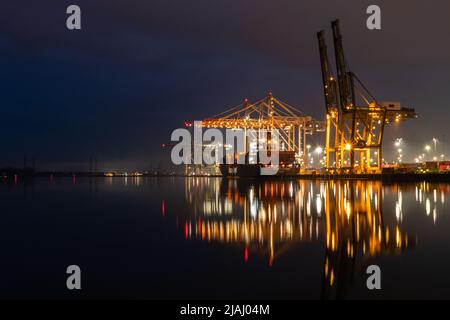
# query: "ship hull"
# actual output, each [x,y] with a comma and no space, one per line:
[240,170]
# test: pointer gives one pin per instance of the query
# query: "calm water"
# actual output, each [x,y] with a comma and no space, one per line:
[217,238]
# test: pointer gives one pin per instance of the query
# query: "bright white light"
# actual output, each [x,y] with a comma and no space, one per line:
[319,205]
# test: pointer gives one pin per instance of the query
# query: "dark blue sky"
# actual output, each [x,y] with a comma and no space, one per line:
[138,69]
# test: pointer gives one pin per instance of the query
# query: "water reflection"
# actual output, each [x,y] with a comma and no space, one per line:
[268,217]
[431,197]
[356,231]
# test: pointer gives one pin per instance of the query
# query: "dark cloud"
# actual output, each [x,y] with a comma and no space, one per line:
[138,69]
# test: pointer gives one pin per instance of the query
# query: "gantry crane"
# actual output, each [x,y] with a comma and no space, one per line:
[355,120]
[270,113]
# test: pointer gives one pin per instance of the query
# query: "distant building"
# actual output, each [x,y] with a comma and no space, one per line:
[444,166]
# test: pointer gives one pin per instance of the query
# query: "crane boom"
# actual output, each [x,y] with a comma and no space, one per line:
[345,78]
[329,84]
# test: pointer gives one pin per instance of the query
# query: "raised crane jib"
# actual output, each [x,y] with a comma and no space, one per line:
[345,77]
[329,83]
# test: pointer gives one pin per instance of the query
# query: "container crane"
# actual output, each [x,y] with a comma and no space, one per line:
[355,120]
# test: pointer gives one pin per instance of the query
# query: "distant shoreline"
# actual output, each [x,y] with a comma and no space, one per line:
[14,174]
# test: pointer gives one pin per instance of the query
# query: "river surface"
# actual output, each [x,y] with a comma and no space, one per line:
[189,238]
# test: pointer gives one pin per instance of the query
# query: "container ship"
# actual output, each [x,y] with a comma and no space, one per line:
[287,166]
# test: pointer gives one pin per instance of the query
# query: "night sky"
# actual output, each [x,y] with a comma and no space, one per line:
[138,69]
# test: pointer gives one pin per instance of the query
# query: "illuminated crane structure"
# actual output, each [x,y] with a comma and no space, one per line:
[355,120]
[270,113]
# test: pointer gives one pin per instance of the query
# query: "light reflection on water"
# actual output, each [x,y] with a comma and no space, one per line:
[224,238]
[265,217]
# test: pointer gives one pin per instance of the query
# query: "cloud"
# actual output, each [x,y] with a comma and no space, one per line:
[146,66]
